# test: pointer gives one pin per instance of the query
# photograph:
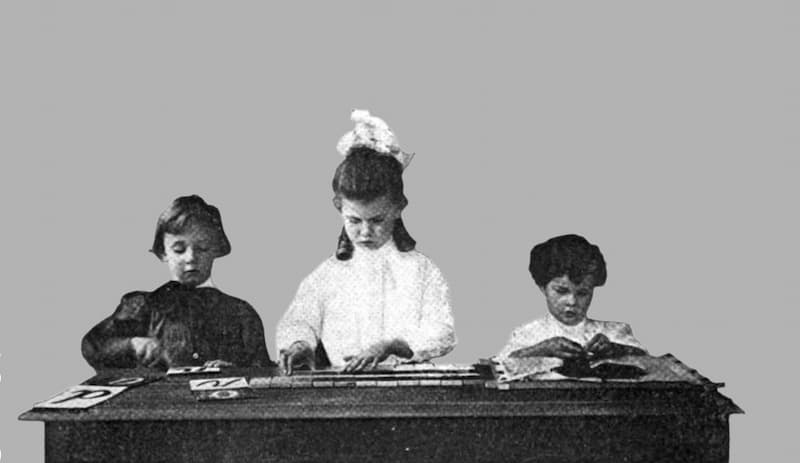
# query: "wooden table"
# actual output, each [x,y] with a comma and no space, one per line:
[553,421]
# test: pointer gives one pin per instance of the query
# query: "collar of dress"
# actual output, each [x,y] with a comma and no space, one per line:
[571,329]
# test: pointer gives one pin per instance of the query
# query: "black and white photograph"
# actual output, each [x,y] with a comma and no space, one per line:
[530,231]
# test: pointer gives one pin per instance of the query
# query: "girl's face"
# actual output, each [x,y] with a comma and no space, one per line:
[568,302]
[190,255]
[369,225]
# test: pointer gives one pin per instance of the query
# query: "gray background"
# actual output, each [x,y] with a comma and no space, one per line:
[664,132]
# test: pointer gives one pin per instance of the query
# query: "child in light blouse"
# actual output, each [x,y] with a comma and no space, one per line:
[378,299]
[567,269]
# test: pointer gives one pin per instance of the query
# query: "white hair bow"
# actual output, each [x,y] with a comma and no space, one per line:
[372,132]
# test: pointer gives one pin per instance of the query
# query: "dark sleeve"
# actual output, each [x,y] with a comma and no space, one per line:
[107,345]
[255,346]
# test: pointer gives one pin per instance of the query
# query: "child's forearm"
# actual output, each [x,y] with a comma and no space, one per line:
[114,352]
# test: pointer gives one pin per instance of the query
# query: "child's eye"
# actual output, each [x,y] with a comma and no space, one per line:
[354,220]
[561,290]
[583,293]
[178,249]
[376,221]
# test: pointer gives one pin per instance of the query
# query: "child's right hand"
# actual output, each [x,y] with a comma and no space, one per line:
[560,347]
[296,355]
[148,351]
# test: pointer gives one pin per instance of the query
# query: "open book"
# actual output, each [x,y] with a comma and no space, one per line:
[605,369]
[638,368]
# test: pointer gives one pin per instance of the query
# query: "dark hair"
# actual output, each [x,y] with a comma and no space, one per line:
[184,212]
[366,175]
[570,255]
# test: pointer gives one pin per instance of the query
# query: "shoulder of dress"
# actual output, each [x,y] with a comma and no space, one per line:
[133,302]
[324,270]
[530,326]
[417,258]
[329,265]
[227,299]
[134,297]
[611,325]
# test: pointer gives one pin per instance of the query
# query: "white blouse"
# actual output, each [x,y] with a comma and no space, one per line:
[377,295]
[548,327]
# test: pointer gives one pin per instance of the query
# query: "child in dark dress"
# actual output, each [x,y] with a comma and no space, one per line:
[186,321]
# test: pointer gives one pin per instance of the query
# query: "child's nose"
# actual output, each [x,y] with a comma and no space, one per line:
[569,299]
[189,255]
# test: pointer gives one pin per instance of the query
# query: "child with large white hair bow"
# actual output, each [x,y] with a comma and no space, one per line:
[377,299]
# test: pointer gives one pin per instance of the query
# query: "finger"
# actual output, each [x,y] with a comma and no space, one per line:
[311,362]
[598,340]
[289,364]
[358,364]
[572,348]
[153,362]
[147,357]
[373,364]
[524,352]
[284,359]
[349,365]
[597,348]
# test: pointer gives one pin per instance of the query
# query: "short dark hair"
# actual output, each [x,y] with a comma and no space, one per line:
[366,175]
[570,255]
[184,212]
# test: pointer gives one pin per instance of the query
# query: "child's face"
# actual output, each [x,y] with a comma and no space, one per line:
[568,302]
[190,255]
[369,225]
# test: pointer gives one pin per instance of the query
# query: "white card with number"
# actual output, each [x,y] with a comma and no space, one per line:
[192,370]
[236,382]
[81,397]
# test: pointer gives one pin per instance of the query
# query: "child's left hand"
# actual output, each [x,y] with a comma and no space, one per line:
[600,346]
[372,356]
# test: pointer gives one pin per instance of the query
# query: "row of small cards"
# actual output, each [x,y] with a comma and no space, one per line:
[278,382]
[282,382]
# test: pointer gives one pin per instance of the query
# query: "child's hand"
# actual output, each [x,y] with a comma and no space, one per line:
[554,347]
[297,355]
[371,357]
[148,351]
[601,347]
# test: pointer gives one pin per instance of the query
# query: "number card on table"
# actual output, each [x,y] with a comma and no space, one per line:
[236,382]
[192,370]
[84,396]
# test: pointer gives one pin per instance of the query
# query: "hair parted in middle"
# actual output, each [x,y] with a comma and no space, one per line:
[570,255]
[184,212]
[366,175]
